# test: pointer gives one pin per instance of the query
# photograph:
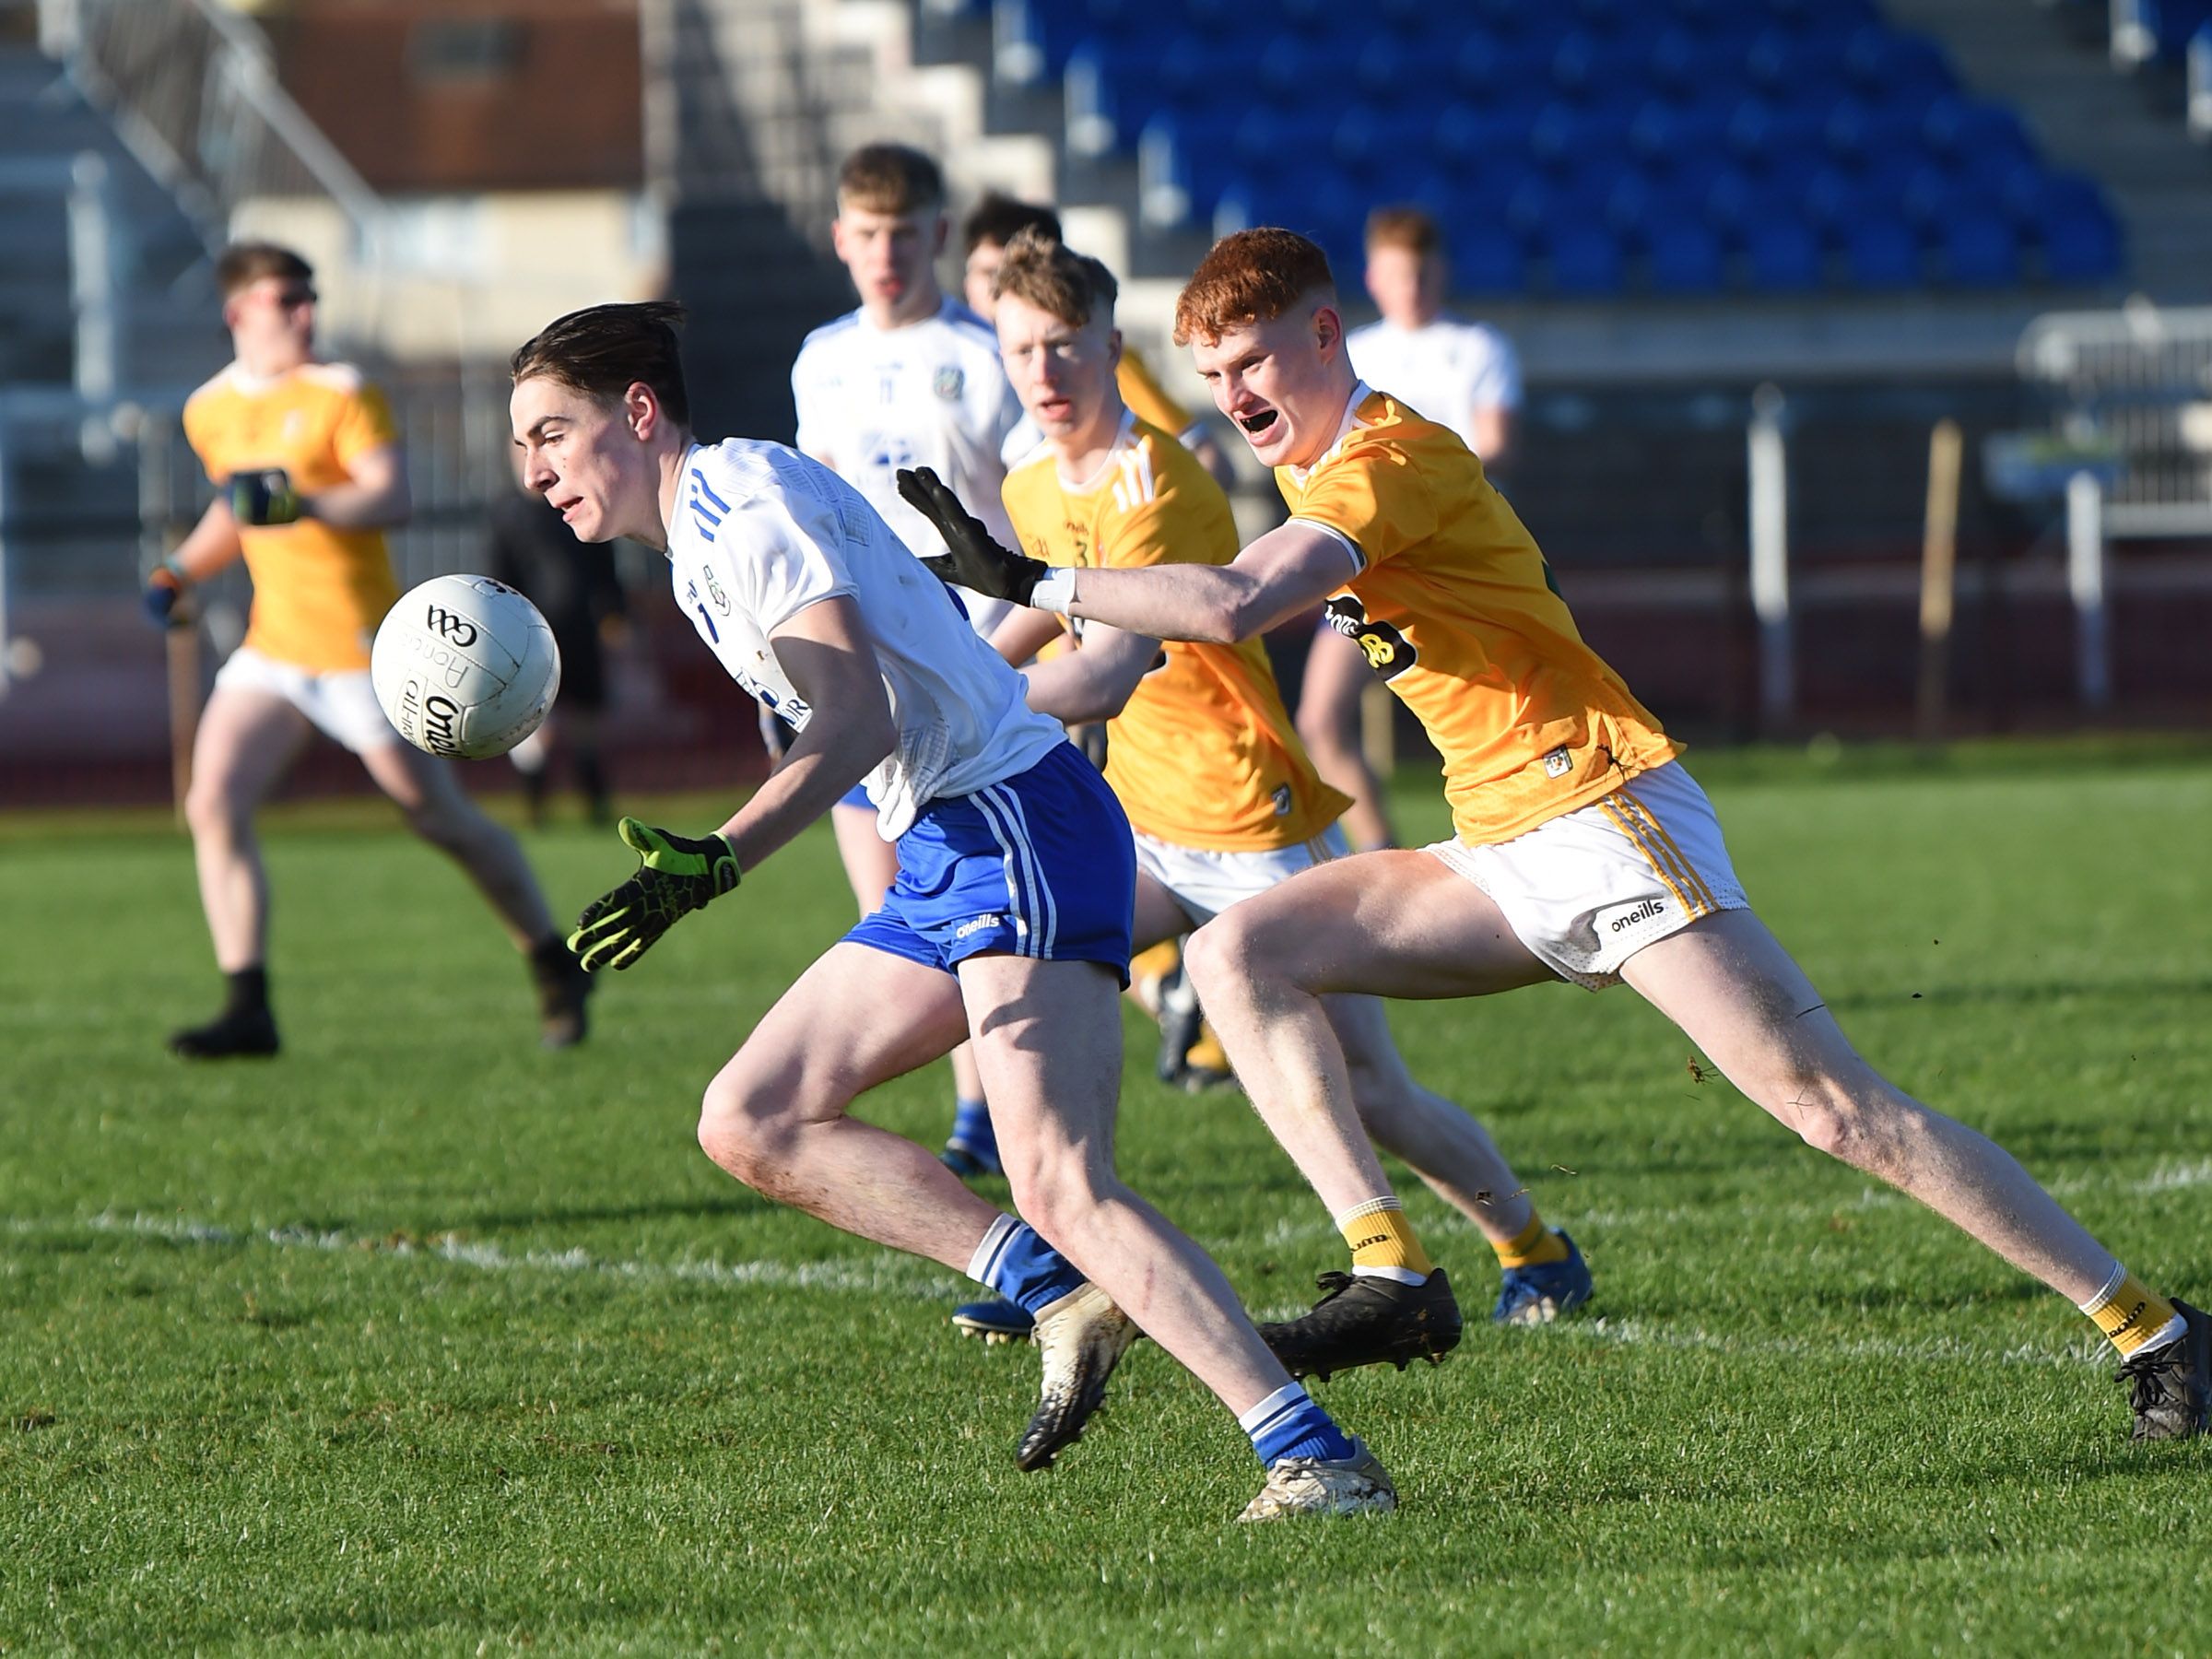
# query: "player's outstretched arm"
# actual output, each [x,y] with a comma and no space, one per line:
[1095,682]
[212,543]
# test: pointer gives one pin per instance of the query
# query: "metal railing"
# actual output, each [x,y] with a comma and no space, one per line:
[2137,380]
[191,90]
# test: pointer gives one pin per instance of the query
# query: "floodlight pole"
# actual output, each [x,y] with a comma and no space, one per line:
[2085,586]
[1770,519]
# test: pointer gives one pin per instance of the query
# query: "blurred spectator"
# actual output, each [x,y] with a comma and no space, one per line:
[1458,373]
[575,585]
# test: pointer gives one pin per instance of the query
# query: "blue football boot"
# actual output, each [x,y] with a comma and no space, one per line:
[993,1321]
[1540,1294]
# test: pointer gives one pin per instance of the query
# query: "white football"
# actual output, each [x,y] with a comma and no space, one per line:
[465,665]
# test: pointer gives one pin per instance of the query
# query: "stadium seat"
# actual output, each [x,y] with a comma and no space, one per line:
[2080,244]
[1881,254]
[1782,255]
[1487,260]
[1980,250]
[1586,260]
[1684,258]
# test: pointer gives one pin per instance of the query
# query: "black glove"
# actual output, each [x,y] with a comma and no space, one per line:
[265,496]
[160,597]
[972,560]
[677,875]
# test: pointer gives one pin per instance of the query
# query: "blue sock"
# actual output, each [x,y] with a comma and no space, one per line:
[1288,1424]
[971,1132]
[1013,1261]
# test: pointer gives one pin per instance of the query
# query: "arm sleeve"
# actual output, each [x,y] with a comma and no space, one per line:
[364,423]
[782,559]
[1373,498]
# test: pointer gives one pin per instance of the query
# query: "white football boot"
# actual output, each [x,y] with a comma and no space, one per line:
[1080,1338]
[1357,1484]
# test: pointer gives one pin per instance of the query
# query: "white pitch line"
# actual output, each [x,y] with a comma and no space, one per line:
[891,1275]
[899,1276]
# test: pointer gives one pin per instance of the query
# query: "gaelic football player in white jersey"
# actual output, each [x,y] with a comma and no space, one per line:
[909,374]
[1460,374]
[1007,924]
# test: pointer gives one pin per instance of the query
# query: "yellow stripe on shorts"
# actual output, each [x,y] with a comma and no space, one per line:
[1636,839]
[1688,871]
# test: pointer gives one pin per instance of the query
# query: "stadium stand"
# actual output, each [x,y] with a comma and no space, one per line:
[1690,146]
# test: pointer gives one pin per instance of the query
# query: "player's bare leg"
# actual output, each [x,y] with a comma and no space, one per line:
[438,810]
[1049,1037]
[871,865]
[1738,995]
[246,739]
[1328,723]
[775,1115]
[1386,924]
[1447,1148]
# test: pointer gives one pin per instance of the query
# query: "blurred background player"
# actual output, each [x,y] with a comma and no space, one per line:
[1201,751]
[1583,851]
[577,588]
[993,222]
[1191,1056]
[908,378]
[308,474]
[1460,374]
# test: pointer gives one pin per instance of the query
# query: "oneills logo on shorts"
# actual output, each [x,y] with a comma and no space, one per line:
[975,925]
[1651,910]
[1558,763]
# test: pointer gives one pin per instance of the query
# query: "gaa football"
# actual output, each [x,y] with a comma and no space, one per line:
[465,665]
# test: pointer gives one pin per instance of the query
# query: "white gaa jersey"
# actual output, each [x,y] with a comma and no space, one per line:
[931,394]
[1445,370]
[760,533]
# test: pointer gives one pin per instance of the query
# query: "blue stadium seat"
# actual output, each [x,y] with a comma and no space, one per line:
[1393,70]
[1782,255]
[1684,257]
[1114,86]
[2079,236]
[1487,260]
[1377,143]
[1881,254]
[1885,64]
[1980,251]
[1586,259]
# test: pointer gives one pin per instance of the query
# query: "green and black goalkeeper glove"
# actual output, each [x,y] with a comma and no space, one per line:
[677,875]
[971,558]
[263,497]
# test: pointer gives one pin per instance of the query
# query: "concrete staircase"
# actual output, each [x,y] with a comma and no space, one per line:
[2052,64]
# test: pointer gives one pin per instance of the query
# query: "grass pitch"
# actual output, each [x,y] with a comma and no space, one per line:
[418,1340]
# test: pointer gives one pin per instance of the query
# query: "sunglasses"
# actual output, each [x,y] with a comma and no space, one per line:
[292,298]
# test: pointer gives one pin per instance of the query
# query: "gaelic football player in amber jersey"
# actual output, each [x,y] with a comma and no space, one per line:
[908,378]
[996,220]
[1008,921]
[1200,748]
[1584,851]
[309,474]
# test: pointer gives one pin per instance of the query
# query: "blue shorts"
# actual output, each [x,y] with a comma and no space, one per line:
[857,796]
[1040,865]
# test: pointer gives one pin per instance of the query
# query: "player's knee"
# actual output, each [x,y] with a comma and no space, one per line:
[1860,1126]
[741,1132]
[210,813]
[1057,1194]
[1318,730]
[1222,956]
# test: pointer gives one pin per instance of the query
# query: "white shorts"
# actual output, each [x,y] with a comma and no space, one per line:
[1590,888]
[341,705]
[1205,883]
